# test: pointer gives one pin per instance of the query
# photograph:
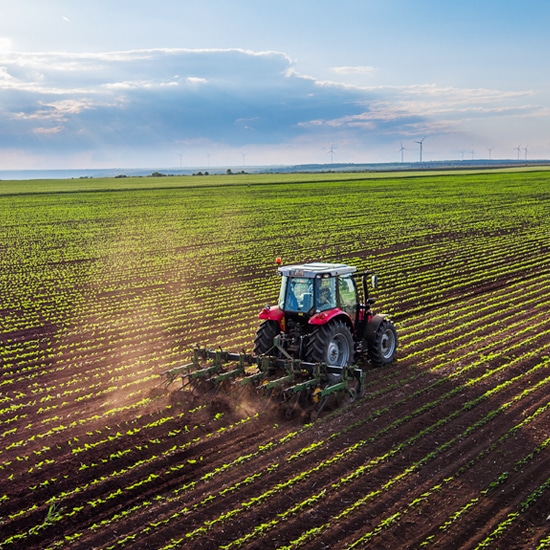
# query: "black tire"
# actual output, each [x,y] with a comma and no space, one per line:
[263,342]
[331,344]
[382,344]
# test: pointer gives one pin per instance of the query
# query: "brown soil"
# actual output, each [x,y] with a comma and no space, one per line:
[425,455]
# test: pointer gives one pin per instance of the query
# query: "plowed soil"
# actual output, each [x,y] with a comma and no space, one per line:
[430,452]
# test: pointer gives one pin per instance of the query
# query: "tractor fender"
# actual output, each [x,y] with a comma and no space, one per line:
[373,325]
[324,317]
[272,314]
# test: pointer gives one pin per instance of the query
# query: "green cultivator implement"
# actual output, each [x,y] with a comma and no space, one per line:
[297,385]
[306,347]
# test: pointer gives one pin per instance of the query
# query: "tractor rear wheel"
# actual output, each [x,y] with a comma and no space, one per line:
[382,344]
[263,342]
[331,344]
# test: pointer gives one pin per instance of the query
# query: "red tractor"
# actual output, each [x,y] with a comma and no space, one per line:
[321,318]
[306,347]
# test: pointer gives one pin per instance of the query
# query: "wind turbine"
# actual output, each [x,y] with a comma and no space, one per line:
[401,149]
[518,149]
[525,149]
[332,152]
[420,143]
[490,149]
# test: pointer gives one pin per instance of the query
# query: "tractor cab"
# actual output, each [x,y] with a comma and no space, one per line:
[309,289]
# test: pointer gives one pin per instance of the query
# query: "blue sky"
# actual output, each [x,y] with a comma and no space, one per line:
[206,83]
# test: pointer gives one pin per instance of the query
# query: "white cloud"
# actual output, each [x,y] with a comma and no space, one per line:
[151,100]
[193,80]
[70,106]
[357,70]
[47,131]
[6,44]
[426,101]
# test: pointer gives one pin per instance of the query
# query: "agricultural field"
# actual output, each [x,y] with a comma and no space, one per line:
[106,284]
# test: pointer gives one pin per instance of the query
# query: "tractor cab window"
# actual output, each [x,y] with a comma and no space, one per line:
[296,294]
[325,294]
[348,295]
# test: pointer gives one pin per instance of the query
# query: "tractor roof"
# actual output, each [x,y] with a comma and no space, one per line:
[317,269]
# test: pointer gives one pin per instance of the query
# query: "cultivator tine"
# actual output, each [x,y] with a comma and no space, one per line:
[350,378]
[302,386]
[291,407]
[277,383]
[170,376]
[205,373]
[317,411]
[292,367]
[184,370]
[265,363]
[252,378]
[232,374]
[193,371]
[228,375]
[335,388]
[174,373]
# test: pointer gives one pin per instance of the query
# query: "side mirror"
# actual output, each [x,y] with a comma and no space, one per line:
[374,282]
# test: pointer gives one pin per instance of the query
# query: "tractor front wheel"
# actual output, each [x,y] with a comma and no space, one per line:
[331,344]
[382,344]
[263,343]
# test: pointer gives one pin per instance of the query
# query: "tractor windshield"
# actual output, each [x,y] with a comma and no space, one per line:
[296,294]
